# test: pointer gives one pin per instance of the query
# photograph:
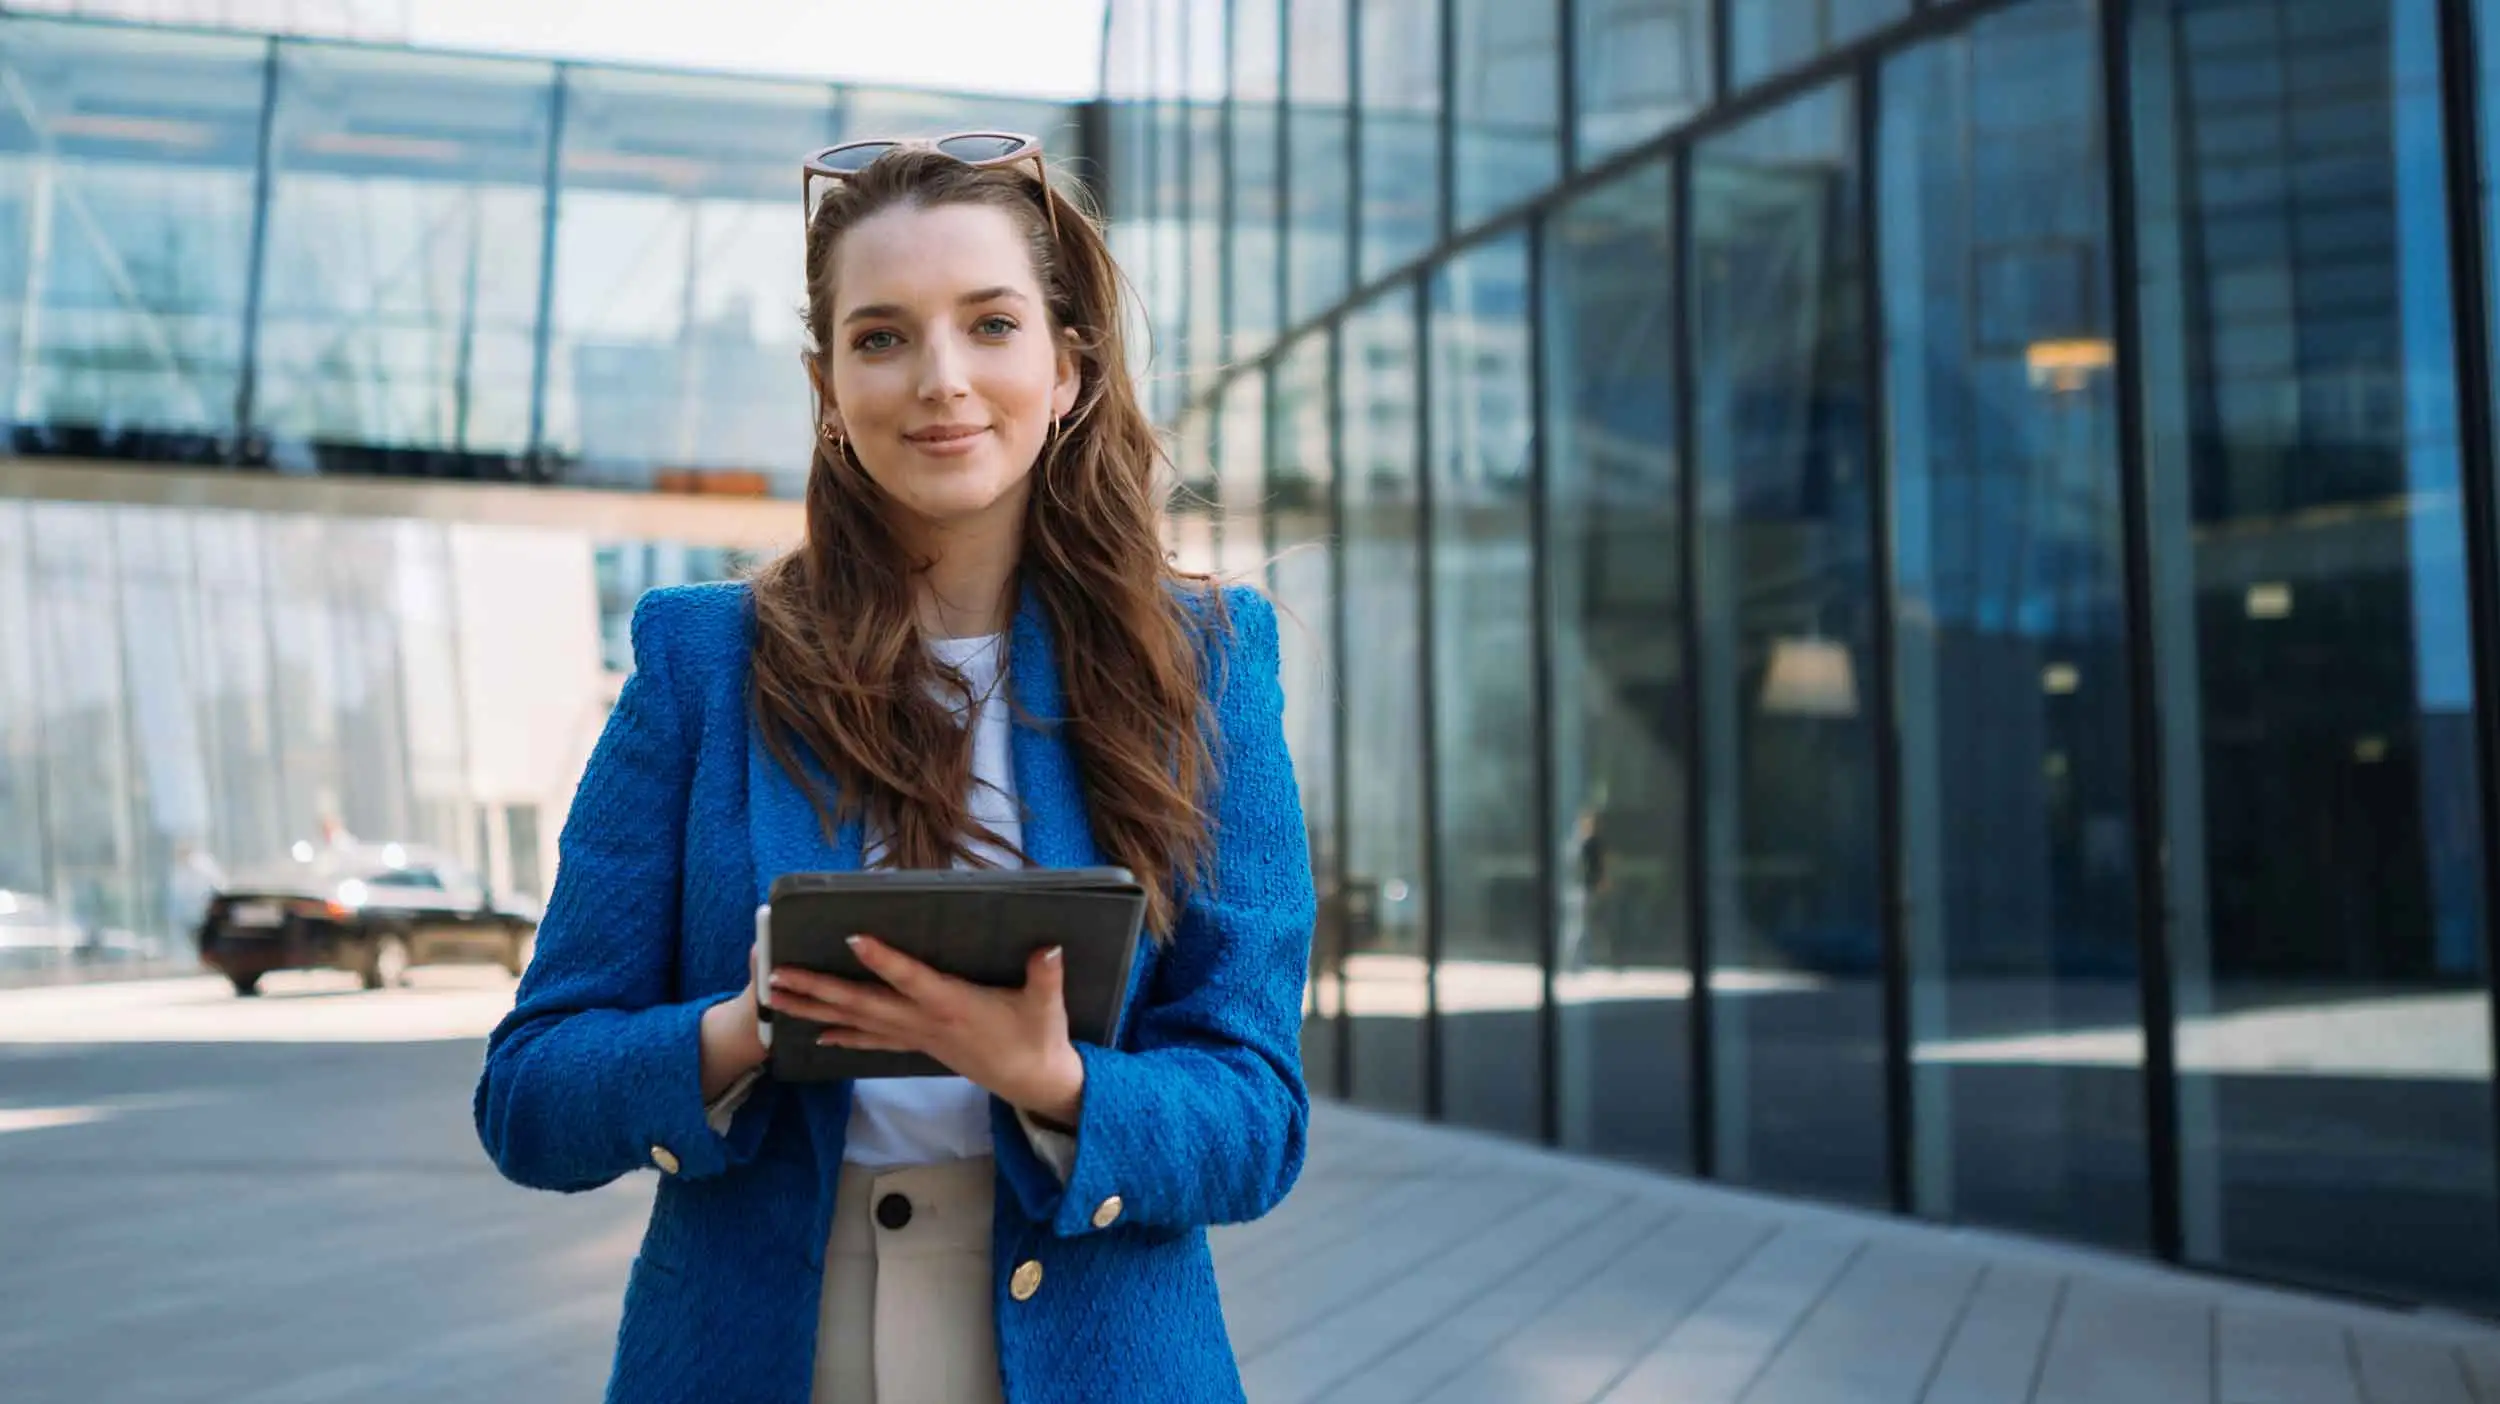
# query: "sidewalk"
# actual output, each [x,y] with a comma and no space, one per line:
[1422,1263]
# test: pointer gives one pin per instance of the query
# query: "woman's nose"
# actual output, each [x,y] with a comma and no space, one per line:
[942,371]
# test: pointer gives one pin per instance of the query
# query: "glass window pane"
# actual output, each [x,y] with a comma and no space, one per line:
[1613,556]
[1386,906]
[128,161]
[1642,66]
[24,866]
[1301,577]
[2009,628]
[234,690]
[1240,478]
[170,783]
[86,734]
[2312,653]
[1399,131]
[678,249]
[1509,117]
[1766,37]
[1257,64]
[1319,130]
[399,299]
[1787,609]
[1198,262]
[1489,984]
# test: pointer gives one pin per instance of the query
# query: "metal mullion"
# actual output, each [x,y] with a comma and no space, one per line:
[1354,151]
[1899,1152]
[1429,725]
[544,333]
[1702,1053]
[1540,694]
[1447,122]
[1722,64]
[2460,100]
[247,380]
[1224,210]
[1339,719]
[1284,173]
[1567,82]
[2152,898]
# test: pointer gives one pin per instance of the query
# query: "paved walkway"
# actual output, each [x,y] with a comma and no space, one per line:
[1418,1263]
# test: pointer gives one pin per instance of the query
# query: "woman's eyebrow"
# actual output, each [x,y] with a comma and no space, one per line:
[877,310]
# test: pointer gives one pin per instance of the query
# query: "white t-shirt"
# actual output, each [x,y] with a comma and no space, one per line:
[918,1120]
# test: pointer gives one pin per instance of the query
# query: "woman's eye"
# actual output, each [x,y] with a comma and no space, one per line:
[877,341]
[995,326]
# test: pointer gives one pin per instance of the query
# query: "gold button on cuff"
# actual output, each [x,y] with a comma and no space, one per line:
[1107,1213]
[1026,1282]
[661,1156]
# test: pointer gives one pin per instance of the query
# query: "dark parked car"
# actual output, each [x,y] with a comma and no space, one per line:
[373,910]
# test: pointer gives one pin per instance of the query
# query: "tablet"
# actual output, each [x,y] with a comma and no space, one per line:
[979,925]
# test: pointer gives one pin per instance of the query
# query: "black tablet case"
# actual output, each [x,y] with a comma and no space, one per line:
[980,925]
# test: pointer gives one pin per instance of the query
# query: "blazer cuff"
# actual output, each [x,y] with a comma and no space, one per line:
[1057,1149]
[721,1112]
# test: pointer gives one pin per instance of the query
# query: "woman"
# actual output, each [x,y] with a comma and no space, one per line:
[980,656]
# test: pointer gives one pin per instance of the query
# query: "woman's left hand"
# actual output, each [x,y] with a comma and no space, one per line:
[1012,1042]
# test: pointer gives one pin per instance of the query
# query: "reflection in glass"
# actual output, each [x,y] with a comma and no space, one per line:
[1612,557]
[236,725]
[1241,479]
[1301,470]
[1257,275]
[1398,131]
[1319,128]
[2009,627]
[1642,66]
[1387,910]
[1509,58]
[1489,983]
[678,269]
[1768,36]
[23,863]
[400,279]
[87,777]
[2311,646]
[1787,609]
[128,161]
[1198,260]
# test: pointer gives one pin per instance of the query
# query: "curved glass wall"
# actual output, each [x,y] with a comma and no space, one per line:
[310,257]
[1921,640]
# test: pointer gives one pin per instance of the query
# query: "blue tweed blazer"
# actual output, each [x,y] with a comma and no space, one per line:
[682,822]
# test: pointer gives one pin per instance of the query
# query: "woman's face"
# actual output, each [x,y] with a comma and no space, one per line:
[945,373]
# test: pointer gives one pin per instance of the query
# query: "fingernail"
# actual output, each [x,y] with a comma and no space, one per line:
[1052,955]
[776,981]
[853,941]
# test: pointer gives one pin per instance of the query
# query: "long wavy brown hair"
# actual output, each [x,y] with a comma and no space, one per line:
[842,671]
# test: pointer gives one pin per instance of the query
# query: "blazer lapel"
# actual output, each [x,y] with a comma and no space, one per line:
[1057,830]
[1058,826]
[785,836]
[783,832]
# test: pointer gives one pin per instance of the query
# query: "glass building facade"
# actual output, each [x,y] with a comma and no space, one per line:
[1889,601]
[300,257]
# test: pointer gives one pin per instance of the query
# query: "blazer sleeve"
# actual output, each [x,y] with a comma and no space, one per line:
[598,1069]
[1204,1118]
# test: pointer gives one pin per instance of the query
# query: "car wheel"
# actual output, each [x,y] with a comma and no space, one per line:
[517,953]
[245,986]
[386,967]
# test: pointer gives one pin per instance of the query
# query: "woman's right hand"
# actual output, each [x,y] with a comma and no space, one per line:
[733,1037]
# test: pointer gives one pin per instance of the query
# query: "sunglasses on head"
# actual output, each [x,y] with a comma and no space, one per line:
[979,150]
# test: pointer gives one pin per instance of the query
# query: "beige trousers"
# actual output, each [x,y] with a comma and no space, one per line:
[907,1316]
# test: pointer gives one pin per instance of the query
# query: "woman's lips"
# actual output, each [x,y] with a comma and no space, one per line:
[946,441]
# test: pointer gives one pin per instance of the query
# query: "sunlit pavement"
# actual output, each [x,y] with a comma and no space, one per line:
[281,1201]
